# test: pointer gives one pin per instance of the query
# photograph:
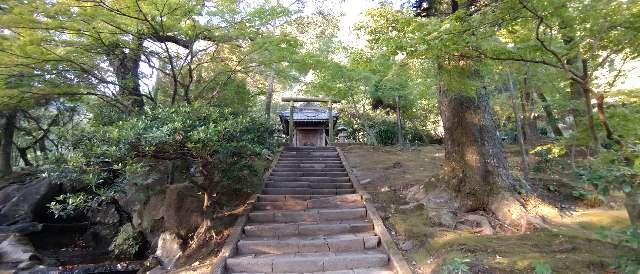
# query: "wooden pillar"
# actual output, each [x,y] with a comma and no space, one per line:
[330,120]
[291,126]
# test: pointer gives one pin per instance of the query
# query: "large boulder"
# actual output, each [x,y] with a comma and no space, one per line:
[170,247]
[105,223]
[17,250]
[20,203]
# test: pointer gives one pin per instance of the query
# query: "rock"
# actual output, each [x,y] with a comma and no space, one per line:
[479,223]
[406,245]
[156,205]
[105,221]
[17,249]
[20,202]
[183,211]
[21,228]
[27,265]
[169,249]
[416,194]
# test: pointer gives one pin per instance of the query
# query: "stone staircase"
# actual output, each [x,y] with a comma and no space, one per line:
[308,219]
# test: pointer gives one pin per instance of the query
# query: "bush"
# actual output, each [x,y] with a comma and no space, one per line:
[127,243]
[386,132]
[456,266]
[224,146]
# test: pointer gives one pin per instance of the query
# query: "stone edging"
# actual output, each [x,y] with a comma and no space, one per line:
[229,249]
[396,259]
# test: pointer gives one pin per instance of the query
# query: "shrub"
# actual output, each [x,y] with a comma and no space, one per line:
[455,266]
[127,243]
[224,145]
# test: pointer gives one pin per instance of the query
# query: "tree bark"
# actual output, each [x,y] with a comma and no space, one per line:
[552,122]
[126,65]
[590,124]
[269,98]
[523,150]
[475,166]
[399,122]
[24,156]
[603,119]
[528,122]
[6,142]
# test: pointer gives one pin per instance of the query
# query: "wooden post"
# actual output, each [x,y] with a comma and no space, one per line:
[330,120]
[291,129]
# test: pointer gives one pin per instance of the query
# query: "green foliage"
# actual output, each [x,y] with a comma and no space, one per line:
[386,132]
[100,155]
[127,243]
[613,170]
[628,263]
[456,266]
[542,268]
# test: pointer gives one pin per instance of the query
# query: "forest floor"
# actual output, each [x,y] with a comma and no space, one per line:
[570,245]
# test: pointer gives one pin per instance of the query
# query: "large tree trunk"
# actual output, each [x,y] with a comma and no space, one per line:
[126,65]
[475,166]
[6,142]
[552,122]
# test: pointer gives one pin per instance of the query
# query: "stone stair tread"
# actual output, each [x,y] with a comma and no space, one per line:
[313,210]
[307,262]
[309,238]
[377,270]
[308,215]
[332,222]
[271,184]
[298,244]
[337,201]
[270,197]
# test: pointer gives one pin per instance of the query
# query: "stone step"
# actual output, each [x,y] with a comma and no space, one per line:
[309,179]
[309,215]
[309,174]
[298,165]
[310,153]
[309,244]
[279,198]
[308,162]
[309,158]
[377,270]
[307,185]
[307,191]
[307,262]
[299,169]
[340,201]
[310,149]
[277,230]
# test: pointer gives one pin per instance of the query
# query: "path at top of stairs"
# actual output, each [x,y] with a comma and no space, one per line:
[308,219]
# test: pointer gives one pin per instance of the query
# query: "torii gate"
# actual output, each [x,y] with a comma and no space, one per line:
[330,119]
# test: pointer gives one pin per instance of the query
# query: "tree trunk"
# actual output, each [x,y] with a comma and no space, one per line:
[6,142]
[552,122]
[603,119]
[519,127]
[126,67]
[590,124]
[269,98]
[399,122]
[24,155]
[528,122]
[632,204]
[475,166]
